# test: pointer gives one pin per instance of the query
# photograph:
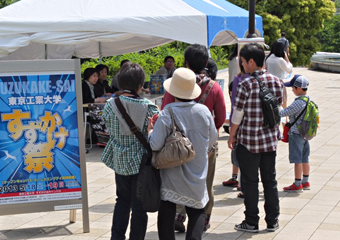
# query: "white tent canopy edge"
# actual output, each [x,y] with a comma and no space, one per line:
[59,29]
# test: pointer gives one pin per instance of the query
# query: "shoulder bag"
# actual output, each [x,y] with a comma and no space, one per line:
[177,149]
[149,181]
[270,106]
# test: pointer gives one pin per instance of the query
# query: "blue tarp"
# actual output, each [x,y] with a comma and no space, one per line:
[225,16]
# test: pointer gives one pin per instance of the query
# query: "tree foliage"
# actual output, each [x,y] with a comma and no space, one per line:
[4,3]
[329,37]
[300,19]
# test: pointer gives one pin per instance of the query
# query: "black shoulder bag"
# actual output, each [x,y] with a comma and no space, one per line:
[270,106]
[149,180]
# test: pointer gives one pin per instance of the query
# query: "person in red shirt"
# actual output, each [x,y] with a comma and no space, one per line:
[196,58]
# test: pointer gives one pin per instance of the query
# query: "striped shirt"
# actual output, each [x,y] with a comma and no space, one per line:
[293,112]
[251,133]
[123,153]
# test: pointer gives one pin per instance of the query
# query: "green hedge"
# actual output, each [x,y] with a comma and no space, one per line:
[151,60]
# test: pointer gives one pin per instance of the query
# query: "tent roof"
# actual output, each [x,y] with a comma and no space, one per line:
[38,29]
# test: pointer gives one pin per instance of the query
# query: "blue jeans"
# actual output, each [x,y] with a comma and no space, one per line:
[126,200]
[250,163]
[299,149]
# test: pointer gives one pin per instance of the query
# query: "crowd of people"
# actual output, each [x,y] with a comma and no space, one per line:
[198,107]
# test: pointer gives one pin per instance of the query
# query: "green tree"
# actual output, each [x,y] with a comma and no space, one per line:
[300,19]
[329,37]
[4,3]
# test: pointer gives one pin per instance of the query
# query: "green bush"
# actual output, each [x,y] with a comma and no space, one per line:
[151,60]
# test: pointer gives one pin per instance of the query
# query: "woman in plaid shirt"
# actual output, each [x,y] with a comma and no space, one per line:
[124,151]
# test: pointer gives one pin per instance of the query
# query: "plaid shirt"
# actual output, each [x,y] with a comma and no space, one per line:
[251,133]
[123,153]
[293,112]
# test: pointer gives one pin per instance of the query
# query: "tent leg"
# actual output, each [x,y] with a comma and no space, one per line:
[100,52]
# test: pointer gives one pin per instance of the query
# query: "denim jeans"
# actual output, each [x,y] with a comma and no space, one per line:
[165,222]
[126,200]
[250,164]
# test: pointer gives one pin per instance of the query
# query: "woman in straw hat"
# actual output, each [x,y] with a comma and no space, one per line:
[186,184]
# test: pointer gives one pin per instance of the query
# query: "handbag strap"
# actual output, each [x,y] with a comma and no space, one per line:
[174,126]
[133,127]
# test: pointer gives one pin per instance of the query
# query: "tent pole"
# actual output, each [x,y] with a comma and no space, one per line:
[251,26]
[100,52]
[209,52]
[45,51]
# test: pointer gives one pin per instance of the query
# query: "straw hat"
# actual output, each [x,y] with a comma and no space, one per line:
[182,84]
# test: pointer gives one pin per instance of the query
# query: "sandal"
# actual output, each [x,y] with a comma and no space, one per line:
[240,195]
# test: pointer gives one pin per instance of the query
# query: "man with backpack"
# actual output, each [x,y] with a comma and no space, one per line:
[256,140]
[299,149]
[285,42]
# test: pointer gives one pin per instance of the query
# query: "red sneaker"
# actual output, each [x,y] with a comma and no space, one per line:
[230,183]
[306,186]
[293,188]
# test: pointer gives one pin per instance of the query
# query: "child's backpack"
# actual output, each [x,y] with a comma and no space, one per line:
[310,122]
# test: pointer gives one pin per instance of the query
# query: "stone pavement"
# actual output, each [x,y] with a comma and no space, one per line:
[313,214]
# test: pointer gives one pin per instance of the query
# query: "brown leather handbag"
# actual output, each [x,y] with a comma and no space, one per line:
[177,149]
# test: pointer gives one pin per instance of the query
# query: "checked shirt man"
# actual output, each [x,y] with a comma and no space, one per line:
[256,144]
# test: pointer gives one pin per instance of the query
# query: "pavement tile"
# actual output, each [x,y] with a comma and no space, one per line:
[320,206]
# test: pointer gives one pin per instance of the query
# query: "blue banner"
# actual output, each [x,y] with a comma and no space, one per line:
[39,145]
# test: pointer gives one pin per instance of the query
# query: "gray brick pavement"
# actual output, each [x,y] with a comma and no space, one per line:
[313,214]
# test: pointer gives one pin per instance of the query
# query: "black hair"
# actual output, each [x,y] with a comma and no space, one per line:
[303,89]
[196,56]
[88,73]
[230,86]
[123,62]
[234,53]
[211,69]
[277,49]
[100,67]
[131,77]
[184,100]
[168,57]
[283,34]
[253,51]
[241,66]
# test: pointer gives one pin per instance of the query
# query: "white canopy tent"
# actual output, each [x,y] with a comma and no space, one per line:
[60,29]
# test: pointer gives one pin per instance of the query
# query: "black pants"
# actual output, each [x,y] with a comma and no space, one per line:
[165,222]
[250,163]
[125,202]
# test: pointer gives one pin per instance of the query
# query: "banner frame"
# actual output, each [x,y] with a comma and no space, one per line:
[54,66]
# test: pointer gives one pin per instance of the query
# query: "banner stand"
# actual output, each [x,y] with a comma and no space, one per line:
[42,147]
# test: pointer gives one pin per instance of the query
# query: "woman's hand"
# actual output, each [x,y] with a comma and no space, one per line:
[286,57]
[154,118]
[150,125]
[100,100]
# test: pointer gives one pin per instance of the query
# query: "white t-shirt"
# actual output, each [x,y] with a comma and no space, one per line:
[278,66]
[233,69]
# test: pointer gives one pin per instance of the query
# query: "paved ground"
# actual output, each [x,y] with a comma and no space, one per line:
[313,214]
